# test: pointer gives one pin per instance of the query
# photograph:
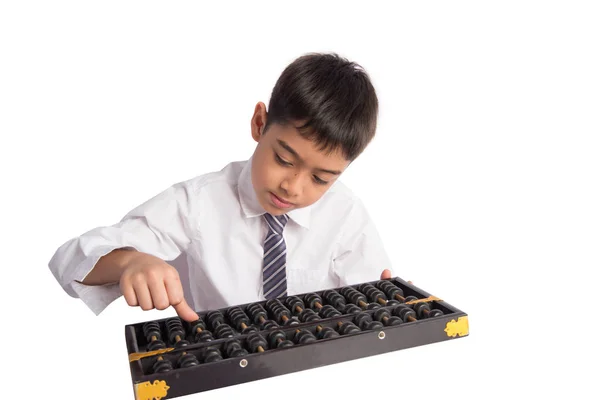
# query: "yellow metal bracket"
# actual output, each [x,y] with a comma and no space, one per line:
[458,327]
[151,391]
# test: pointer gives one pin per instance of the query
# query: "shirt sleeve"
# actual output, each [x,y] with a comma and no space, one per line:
[361,256]
[160,226]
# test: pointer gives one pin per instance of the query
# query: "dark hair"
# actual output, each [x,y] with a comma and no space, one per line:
[333,97]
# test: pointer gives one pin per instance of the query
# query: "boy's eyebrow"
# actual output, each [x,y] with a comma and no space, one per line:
[288,148]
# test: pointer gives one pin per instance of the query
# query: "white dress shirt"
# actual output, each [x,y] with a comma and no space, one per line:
[211,229]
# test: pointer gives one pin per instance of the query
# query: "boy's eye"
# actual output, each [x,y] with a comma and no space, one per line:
[319,180]
[281,160]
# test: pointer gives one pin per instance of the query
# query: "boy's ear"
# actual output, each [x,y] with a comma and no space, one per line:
[259,119]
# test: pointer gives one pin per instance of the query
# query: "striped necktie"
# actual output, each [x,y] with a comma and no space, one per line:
[274,259]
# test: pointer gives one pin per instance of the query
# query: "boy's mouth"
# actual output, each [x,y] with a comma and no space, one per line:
[279,202]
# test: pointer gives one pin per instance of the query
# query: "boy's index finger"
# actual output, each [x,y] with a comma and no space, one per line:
[185,311]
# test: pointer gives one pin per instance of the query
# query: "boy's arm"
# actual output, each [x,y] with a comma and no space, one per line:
[360,255]
[88,267]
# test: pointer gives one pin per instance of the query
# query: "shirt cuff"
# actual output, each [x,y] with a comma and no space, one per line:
[96,297]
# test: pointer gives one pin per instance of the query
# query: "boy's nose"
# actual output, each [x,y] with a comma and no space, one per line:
[292,185]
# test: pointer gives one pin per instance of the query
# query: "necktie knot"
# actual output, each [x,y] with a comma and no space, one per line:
[276,223]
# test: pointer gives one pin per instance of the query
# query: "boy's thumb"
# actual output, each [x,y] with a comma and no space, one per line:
[185,311]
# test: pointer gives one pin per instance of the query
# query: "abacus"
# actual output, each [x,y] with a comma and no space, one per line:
[171,358]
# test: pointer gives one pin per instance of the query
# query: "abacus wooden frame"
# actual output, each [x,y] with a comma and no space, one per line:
[274,362]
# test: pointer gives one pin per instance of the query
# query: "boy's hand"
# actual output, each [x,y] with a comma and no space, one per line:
[150,282]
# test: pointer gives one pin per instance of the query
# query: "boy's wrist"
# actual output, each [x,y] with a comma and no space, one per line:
[124,257]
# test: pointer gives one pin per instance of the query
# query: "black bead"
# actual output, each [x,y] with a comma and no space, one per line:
[352,309]
[275,337]
[211,354]
[187,360]
[204,336]
[327,332]
[348,328]
[161,366]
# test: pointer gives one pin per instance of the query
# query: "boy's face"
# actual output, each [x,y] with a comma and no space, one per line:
[288,171]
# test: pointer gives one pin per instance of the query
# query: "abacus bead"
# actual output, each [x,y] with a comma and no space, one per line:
[308,315]
[352,309]
[187,360]
[356,296]
[254,341]
[269,324]
[162,366]
[435,313]
[175,328]
[304,336]
[249,329]
[215,318]
[329,311]
[256,311]
[238,317]
[292,302]
[327,333]
[404,312]
[235,349]
[285,343]
[198,324]
[204,336]
[223,331]
[373,325]
[420,308]
[380,314]
[211,354]
[151,329]
[410,298]
[392,303]
[312,299]
[389,288]
[393,321]
[275,336]
[335,299]
[156,344]
[271,303]
[348,328]
[258,315]
[362,318]
[373,306]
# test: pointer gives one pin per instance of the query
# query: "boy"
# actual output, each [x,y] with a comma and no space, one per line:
[277,224]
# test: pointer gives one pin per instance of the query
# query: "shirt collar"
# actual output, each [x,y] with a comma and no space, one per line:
[251,206]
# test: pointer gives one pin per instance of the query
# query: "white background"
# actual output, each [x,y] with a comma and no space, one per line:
[483,178]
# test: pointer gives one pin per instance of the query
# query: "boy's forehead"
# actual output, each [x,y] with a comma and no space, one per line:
[289,139]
